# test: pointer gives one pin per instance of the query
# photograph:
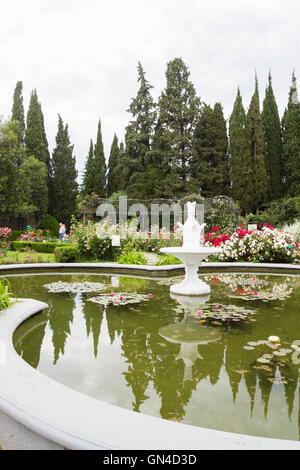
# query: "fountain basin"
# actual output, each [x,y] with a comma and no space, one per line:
[191,285]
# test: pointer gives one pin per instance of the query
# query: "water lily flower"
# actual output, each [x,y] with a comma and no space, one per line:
[112,293]
[199,313]
[254,278]
[273,339]
[150,296]
[255,293]
[121,298]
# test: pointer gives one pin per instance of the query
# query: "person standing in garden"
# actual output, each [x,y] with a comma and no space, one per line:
[62,230]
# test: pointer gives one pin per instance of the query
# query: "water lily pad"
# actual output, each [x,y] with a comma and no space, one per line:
[74,287]
[279,353]
[263,360]
[120,298]
[249,348]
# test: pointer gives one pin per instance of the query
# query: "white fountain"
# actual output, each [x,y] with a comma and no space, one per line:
[191,253]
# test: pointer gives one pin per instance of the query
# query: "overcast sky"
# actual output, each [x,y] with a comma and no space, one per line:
[81,55]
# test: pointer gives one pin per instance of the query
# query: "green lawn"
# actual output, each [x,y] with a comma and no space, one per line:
[17,257]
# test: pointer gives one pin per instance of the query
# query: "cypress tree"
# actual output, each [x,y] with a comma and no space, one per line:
[291,142]
[99,166]
[64,174]
[138,137]
[273,142]
[18,110]
[34,136]
[178,114]
[88,175]
[45,142]
[240,158]
[260,179]
[112,179]
[209,165]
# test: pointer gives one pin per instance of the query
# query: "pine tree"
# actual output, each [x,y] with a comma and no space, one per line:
[138,137]
[18,110]
[112,179]
[257,149]
[240,157]
[34,137]
[209,164]
[63,184]
[291,142]
[99,166]
[273,142]
[178,115]
[88,175]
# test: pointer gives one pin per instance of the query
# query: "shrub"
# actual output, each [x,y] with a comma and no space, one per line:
[132,257]
[278,213]
[294,229]
[40,247]
[50,223]
[4,239]
[266,245]
[66,253]
[15,234]
[5,294]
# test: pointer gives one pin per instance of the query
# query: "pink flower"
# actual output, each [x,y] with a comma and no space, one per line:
[150,296]
[255,293]
[199,314]
[254,278]
[121,298]
[112,293]
[217,306]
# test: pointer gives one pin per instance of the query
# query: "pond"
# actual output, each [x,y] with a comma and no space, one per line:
[206,361]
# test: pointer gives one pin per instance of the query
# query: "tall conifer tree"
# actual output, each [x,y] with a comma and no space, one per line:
[88,175]
[138,137]
[178,114]
[64,174]
[112,177]
[209,165]
[291,142]
[99,165]
[240,157]
[18,110]
[257,150]
[34,136]
[273,142]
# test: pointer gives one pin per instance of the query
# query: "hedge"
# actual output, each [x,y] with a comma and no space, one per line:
[15,234]
[40,247]
[66,253]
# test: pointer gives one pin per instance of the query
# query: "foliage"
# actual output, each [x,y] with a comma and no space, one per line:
[66,253]
[165,260]
[63,185]
[5,294]
[291,142]
[112,176]
[278,213]
[40,247]
[5,233]
[28,257]
[33,175]
[132,257]
[50,223]
[266,245]
[17,112]
[273,142]
[99,165]
[209,163]
[293,228]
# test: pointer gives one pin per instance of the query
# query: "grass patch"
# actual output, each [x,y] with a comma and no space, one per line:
[17,257]
[165,260]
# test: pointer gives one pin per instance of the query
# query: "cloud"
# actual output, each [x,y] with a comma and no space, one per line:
[82,56]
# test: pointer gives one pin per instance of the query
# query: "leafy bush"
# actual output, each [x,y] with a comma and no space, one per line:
[165,260]
[4,239]
[66,253]
[40,247]
[278,213]
[294,229]
[5,294]
[50,223]
[132,257]
[15,234]
[266,245]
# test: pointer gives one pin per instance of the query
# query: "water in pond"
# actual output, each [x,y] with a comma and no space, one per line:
[107,337]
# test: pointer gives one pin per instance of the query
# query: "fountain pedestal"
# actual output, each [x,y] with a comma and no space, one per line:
[191,254]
